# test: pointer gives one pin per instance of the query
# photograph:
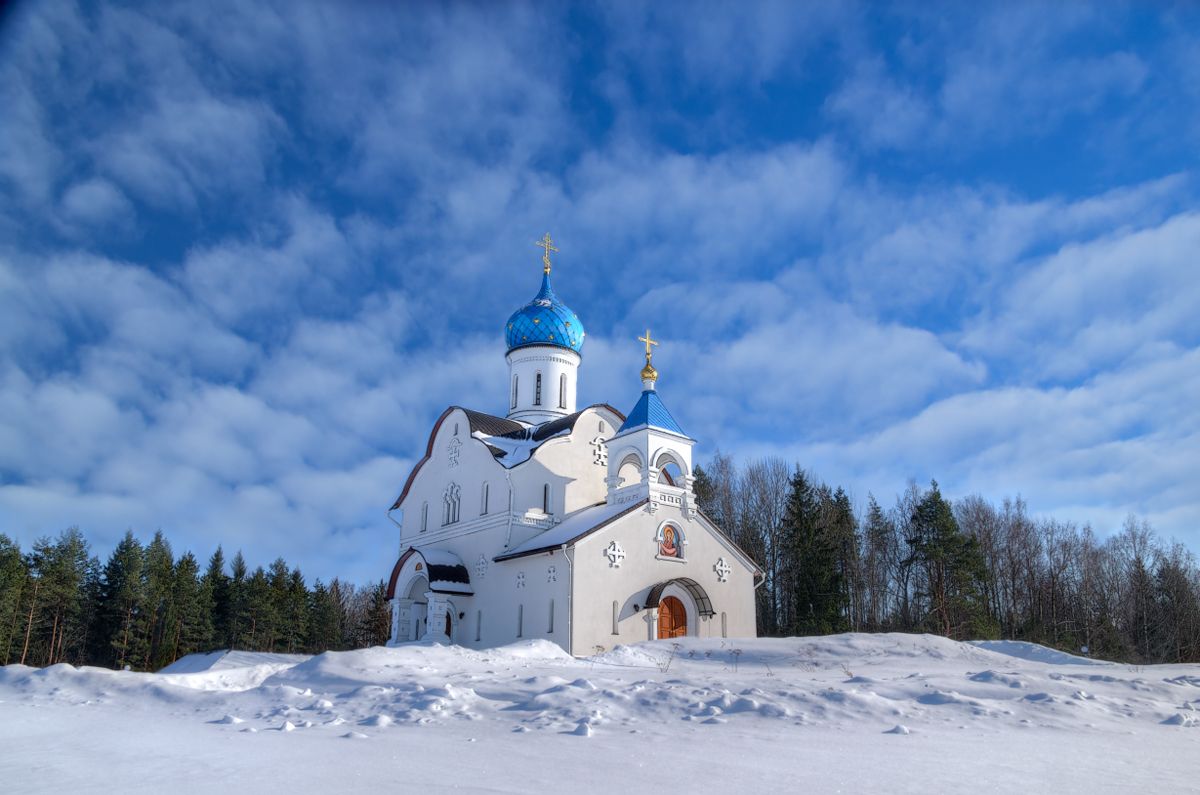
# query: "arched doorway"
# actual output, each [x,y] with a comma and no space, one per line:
[420,608]
[672,618]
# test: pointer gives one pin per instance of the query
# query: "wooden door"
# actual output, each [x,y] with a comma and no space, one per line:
[672,618]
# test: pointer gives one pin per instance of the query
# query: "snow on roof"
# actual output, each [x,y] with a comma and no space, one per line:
[447,574]
[572,528]
[515,447]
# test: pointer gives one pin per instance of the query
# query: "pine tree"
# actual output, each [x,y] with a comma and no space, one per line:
[15,583]
[325,620]
[952,567]
[816,593]
[260,620]
[64,567]
[239,608]
[216,595]
[279,579]
[160,581]
[843,532]
[122,602]
[191,617]
[376,618]
[295,612]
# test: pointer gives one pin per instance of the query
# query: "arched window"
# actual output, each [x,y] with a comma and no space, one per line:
[546,498]
[483,502]
[562,391]
[630,470]
[424,516]
[520,620]
[478,625]
[537,390]
[670,471]
[451,504]
[724,626]
[514,398]
[551,629]
[616,617]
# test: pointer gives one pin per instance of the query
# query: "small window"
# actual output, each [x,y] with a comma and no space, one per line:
[456,429]
[520,620]
[483,504]
[514,396]
[551,628]
[546,498]
[537,390]
[724,626]
[562,391]
[424,516]
[616,617]
[601,429]
[478,625]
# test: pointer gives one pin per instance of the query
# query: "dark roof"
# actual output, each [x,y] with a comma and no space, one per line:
[703,603]
[548,429]
[493,426]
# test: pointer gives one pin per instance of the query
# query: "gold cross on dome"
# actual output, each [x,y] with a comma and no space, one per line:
[547,245]
[649,341]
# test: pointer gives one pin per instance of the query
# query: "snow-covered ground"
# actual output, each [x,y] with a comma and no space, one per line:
[846,713]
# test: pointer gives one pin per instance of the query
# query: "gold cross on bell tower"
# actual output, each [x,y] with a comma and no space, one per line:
[648,372]
[547,246]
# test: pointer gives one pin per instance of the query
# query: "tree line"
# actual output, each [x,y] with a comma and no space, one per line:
[145,608]
[965,569]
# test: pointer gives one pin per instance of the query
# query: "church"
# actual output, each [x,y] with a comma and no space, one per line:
[578,526]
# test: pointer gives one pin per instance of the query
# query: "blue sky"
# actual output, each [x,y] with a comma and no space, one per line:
[249,252]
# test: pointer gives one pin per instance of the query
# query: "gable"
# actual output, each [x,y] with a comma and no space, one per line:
[510,443]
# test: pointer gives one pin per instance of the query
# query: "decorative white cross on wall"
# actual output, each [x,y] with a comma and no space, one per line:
[722,569]
[615,554]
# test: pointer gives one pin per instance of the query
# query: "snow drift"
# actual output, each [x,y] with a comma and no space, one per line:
[932,713]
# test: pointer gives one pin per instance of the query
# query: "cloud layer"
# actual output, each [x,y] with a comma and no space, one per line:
[248,253]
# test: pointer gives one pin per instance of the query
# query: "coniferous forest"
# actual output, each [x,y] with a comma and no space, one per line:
[145,607]
[964,569]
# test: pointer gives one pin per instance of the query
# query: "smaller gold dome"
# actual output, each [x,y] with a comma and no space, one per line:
[649,373]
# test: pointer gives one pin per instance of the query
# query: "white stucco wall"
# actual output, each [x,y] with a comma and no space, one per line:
[597,583]
[524,364]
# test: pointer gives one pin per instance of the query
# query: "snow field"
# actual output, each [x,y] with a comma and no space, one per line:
[838,713]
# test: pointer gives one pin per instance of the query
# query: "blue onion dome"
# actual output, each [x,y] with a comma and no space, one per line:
[544,321]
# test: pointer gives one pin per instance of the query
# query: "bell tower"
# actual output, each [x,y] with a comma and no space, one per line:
[650,456]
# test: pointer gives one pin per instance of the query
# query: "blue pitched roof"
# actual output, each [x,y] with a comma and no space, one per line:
[651,411]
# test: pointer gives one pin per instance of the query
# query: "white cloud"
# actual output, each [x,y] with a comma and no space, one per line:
[94,202]
[1093,304]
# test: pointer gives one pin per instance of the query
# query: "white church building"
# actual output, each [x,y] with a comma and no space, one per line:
[574,525]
